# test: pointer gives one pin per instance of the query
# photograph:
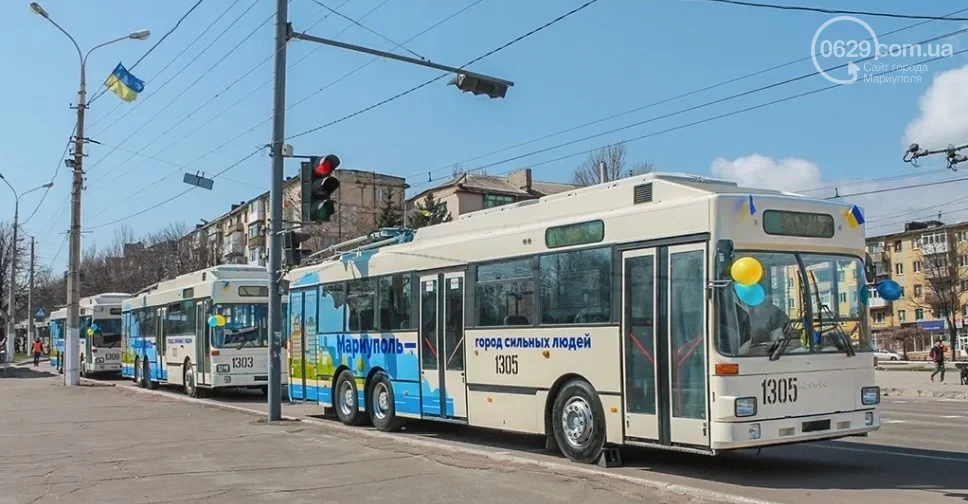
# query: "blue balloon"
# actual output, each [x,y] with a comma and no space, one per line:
[864,294]
[889,290]
[212,321]
[752,295]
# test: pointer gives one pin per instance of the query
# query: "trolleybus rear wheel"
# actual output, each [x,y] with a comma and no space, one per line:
[139,373]
[579,422]
[188,379]
[382,409]
[345,399]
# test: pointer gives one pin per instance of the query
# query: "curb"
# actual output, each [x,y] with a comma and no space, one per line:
[557,467]
[920,393]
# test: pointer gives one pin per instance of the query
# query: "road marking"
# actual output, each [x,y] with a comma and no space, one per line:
[892,421]
[886,452]
[898,402]
[953,416]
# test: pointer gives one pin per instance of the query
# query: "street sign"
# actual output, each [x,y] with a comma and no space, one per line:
[40,314]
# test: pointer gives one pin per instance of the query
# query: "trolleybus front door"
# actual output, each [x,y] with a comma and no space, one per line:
[443,392]
[664,345]
[203,362]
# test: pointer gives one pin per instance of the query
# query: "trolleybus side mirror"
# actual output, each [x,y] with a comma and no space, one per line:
[869,269]
[724,259]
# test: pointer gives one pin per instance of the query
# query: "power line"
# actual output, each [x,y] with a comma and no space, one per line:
[722,116]
[367,28]
[152,48]
[836,11]
[659,102]
[167,65]
[199,108]
[435,25]
[54,177]
[178,96]
[891,189]
[427,83]
[186,191]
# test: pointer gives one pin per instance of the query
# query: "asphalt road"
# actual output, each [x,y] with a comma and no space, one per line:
[920,454]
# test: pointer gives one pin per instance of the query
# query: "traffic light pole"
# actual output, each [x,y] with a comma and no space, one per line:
[275,209]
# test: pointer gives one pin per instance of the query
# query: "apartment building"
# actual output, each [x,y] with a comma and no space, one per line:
[930,262]
[239,236]
[467,193]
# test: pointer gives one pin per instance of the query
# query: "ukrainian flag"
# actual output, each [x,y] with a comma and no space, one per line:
[123,84]
[854,216]
[745,207]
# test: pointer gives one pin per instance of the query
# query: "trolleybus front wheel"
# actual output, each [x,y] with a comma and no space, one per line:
[579,422]
[139,373]
[188,379]
[345,399]
[383,412]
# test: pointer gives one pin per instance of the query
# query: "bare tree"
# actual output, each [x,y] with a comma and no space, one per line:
[944,269]
[614,156]
[6,247]
[901,337]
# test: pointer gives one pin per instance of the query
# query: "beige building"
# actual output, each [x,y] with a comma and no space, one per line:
[240,235]
[467,193]
[924,259]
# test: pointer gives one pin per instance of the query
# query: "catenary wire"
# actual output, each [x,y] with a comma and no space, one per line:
[154,46]
[184,167]
[179,95]
[367,28]
[427,83]
[515,40]
[199,108]
[167,65]
[53,178]
[835,11]
[661,102]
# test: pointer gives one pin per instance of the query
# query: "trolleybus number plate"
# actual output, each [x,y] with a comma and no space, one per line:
[242,362]
[783,390]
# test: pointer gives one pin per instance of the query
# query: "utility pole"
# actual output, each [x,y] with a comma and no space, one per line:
[11,294]
[275,209]
[30,296]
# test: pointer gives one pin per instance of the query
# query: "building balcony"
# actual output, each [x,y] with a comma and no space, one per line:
[257,241]
[880,257]
[933,299]
[878,302]
[236,227]
[256,215]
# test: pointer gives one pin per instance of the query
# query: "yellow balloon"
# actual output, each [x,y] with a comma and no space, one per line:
[90,332]
[219,320]
[746,271]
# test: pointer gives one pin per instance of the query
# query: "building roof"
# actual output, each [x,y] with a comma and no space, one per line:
[492,184]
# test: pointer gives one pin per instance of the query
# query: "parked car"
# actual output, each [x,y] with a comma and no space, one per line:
[886,355]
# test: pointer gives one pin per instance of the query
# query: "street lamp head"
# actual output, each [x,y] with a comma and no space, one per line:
[34,6]
[140,35]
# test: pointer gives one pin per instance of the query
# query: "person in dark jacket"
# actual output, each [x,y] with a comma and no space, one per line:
[937,356]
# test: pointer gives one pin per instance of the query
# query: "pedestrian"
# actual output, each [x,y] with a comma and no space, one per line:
[37,350]
[937,356]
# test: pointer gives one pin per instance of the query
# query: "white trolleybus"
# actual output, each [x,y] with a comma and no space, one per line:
[206,329]
[662,310]
[99,341]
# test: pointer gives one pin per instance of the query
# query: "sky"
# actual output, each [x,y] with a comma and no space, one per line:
[207,101]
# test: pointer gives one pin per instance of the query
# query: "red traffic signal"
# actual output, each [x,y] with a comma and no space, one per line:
[327,166]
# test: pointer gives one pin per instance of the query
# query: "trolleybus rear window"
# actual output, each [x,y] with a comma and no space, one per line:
[788,223]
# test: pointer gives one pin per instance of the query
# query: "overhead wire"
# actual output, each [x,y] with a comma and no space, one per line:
[367,28]
[344,76]
[435,79]
[489,53]
[200,77]
[203,105]
[53,178]
[834,11]
[167,65]
[662,101]
[154,46]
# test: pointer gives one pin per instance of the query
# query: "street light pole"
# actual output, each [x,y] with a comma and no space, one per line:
[71,341]
[11,293]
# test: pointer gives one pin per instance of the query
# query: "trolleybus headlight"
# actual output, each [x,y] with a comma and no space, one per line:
[870,395]
[745,406]
[222,368]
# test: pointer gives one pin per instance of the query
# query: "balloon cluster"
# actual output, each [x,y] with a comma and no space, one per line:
[93,329]
[216,321]
[746,273]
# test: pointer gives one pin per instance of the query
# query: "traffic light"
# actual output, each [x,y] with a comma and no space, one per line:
[318,186]
[478,85]
[292,250]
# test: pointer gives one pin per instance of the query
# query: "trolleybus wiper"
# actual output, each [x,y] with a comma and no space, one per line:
[788,331]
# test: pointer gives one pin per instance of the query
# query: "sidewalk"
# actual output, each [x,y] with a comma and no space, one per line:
[917,384]
[112,444]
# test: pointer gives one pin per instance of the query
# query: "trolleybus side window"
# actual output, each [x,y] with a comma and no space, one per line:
[394,299]
[505,293]
[428,317]
[361,299]
[454,323]
[332,308]
[576,287]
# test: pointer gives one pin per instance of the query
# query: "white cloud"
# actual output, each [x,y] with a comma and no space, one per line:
[943,118]
[790,174]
